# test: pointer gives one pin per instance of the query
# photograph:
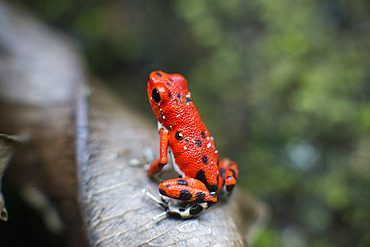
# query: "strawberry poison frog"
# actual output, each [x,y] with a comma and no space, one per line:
[195,157]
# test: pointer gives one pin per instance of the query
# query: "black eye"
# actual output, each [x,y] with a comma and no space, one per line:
[155,95]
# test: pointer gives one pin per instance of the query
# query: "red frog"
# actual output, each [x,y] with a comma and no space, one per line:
[194,153]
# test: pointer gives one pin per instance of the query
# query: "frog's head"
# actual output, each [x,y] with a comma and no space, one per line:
[163,88]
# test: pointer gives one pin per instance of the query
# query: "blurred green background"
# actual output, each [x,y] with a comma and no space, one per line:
[283,86]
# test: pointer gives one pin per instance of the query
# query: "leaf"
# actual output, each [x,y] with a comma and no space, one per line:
[7,146]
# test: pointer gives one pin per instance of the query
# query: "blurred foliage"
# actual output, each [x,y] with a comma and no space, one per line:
[282,85]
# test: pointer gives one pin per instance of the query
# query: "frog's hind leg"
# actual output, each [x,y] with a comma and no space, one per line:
[187,189]
[229,172]
[192,194]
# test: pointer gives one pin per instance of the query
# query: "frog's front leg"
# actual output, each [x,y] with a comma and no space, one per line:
[192,194]
[157,165]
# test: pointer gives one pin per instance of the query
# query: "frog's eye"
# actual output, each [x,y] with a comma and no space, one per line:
[155,96]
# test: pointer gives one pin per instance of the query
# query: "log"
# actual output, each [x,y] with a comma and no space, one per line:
[40,77]
[87,149]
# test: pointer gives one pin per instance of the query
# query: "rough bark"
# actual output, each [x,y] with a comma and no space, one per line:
[84,140]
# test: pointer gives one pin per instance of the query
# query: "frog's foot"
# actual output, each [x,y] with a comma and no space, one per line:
[162,203]
[190,210]
[229,172]
[182,210]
